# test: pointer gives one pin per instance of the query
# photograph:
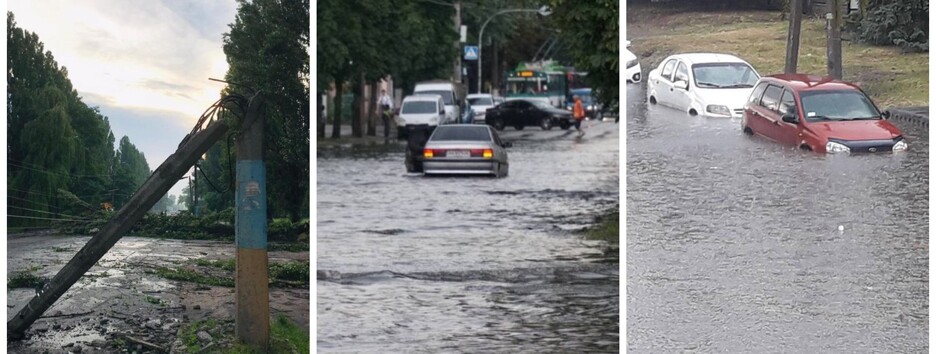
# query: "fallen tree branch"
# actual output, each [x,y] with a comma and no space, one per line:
[144,343]
[69,314]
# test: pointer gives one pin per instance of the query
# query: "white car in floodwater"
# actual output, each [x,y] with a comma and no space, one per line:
[706,84]
[632,68]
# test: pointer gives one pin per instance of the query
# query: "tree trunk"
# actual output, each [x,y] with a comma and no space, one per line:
[373,120]
[357,126]
[336,119]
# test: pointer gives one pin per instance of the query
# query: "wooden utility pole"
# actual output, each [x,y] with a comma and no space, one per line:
[793,39]
[834,39]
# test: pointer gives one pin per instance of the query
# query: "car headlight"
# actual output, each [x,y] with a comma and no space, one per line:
[900,146]
[434,120]
[631,63]
[401,121]
[834,147]
[718,109]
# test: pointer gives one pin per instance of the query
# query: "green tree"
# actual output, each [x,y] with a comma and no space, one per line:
[267,49]
[131,170]
[590,31]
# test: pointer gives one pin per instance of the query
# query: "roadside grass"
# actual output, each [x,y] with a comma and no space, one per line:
[282,274]
[23,279]
[608,228]
[285,337]
[890,77]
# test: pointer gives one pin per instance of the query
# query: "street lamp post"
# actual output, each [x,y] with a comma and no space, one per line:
[543,11]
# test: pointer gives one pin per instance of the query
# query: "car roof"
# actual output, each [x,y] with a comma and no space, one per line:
[698,58]
[476,95]
[806,82]
[423,97]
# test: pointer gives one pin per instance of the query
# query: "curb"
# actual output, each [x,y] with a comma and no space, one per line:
[916,115]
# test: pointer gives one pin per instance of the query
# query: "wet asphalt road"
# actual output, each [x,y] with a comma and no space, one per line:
[408,263]
[733,242]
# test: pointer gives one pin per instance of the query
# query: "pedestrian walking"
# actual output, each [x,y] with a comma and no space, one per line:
[386,105]
[578,112]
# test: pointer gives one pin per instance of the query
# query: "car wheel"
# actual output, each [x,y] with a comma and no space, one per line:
[653,100]
[565,125]
[747,130]
[545,124]
[498,124]
[519,126]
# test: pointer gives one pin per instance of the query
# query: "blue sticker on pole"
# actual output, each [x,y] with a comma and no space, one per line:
[250,225]
[471,52]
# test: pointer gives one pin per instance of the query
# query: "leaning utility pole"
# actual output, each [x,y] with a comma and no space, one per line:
[834,39]
[793,39]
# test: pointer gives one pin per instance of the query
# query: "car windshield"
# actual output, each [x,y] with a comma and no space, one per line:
[838,105]
[464,133]
[724,75]
[418,107]
[446,96]
[481,101]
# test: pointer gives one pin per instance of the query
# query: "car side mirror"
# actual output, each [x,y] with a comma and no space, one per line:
[886,114]
[682,84]
[507,144]
[789,118]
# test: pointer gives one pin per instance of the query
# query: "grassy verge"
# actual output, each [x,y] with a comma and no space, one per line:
[891,77]
[23,279]
[282,274]
[608,228]
[285,337]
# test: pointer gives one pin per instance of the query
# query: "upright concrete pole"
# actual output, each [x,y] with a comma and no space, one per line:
[458,70]
[251,279]
[793,38]
[834,39]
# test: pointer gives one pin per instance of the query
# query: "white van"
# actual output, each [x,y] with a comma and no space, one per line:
[423,111]
[451,95]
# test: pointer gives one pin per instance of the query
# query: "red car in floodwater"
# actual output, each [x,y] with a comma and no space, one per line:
[819,114]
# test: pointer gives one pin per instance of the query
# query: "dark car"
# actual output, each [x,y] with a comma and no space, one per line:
[819,114]
[523,113]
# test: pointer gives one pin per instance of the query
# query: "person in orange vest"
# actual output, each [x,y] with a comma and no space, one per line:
[578,112]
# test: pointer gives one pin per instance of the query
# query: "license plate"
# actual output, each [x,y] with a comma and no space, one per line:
[458,153]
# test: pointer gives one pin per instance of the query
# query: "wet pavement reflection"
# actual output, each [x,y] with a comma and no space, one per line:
[408,263]
[734,242]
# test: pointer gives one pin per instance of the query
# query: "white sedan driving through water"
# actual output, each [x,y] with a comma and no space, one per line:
[706,84]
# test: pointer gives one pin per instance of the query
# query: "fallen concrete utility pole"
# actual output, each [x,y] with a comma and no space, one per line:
[191,149]
[793,37]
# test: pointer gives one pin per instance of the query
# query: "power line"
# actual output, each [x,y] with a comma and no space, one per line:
[20,165]
[31,201]
[38,218]
[48,212]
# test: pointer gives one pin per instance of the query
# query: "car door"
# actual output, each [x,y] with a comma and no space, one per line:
[500,153]
[767,114]
[753,104]
[663,83]
[680,87]
[524,112]
[788,133]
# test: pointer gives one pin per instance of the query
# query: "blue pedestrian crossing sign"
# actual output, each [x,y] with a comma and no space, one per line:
[471,52]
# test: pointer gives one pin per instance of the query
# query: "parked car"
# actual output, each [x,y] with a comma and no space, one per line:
[632,69]
[451,95]
[465,149]
[498,100]
[521,113]
[819,114]
[707,84]
[481,102]
[423,112]
[592,107]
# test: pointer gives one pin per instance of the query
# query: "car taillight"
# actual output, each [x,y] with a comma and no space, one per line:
[427,153]
[488,153]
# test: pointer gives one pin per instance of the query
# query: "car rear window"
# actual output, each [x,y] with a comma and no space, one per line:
[447,96]
[418,107]
[479,133]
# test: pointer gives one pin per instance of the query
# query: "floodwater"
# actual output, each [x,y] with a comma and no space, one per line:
[734,242]
[408,263]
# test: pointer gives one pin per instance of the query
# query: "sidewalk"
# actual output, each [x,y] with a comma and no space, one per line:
[918,115]
[346,137]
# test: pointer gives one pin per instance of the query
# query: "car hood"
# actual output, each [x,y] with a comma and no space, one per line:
[855,129]
[481,108]
[418,117]
[734,98]
[557,111]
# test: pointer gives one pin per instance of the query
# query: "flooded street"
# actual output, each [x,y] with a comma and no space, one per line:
[408,263]
[121,296]
[734,242]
